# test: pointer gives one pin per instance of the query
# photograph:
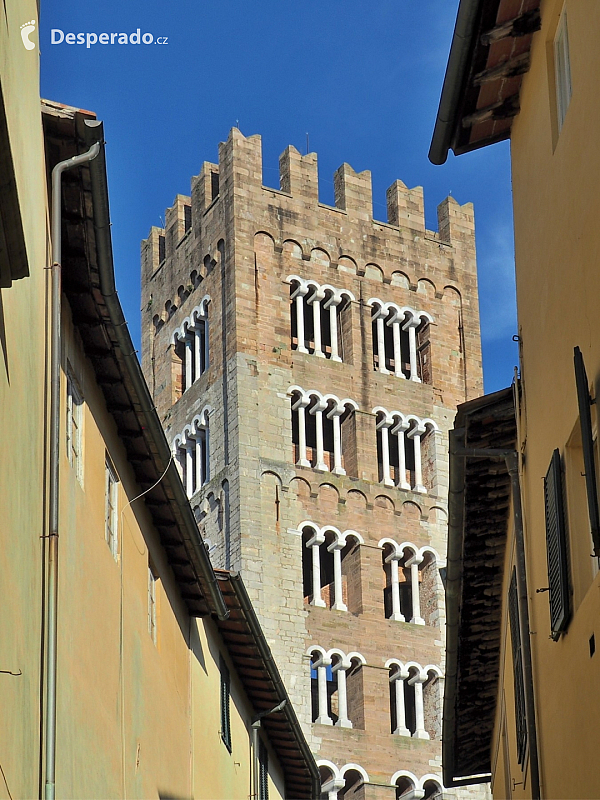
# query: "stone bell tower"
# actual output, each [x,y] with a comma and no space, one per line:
[306,361]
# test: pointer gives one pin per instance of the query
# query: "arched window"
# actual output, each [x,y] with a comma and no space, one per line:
[404,453]
[323,432]
[191,452]
[333,674]
[316,317]
[411,592]
[190,345]
[341,784]
[401,342]
[405,788]
[432,789]
[415,700]
[327,558]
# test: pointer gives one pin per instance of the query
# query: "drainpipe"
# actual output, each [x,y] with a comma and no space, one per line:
[55,357]
[511,460]
[255,727]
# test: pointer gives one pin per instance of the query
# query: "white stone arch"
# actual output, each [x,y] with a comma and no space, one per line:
[411,778]
[434,779]
[350,533]
[356,768]
[323,655]
[199,312]
[435,557]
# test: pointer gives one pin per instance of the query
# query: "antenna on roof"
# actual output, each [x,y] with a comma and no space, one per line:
[307,151]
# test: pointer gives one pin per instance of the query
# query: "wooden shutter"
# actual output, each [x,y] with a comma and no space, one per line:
[515,635]
[587,443]
[225,718]
[556,548]
[263,771]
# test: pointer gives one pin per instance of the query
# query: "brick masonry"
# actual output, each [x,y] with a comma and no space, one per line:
[239,245]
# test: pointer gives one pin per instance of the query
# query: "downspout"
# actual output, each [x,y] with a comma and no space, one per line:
[53,500]
[94,130]
[255,728]
[511,459]
[267,657]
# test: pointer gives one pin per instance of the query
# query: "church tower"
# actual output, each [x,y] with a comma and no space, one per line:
[306,361]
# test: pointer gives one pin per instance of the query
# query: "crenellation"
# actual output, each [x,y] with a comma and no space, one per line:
[353,192]
[299,176]
[405,207]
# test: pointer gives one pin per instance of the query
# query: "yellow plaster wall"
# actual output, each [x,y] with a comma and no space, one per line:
[22,354]
[557,241]
[135,718]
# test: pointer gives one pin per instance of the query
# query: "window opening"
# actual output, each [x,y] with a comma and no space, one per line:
[225,699]
[74,425]
[111,511]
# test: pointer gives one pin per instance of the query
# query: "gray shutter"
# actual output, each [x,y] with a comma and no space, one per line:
[587,443]
[263,775]
[556,548]
[225,717]
[515,635]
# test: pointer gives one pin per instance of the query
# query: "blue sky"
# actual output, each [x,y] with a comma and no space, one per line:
[362,79]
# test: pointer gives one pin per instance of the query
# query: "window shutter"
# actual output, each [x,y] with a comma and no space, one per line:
[587,443]
[263,771]
[515,635]
[225,717]
[556,548]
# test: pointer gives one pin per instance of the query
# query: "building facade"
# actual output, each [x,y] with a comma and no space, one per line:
[539,61]
[306,362]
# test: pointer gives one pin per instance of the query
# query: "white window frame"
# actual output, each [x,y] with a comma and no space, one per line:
[562,69]
[111,517]
[74,440]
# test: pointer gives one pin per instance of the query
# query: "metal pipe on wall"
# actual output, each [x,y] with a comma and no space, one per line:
[53,500]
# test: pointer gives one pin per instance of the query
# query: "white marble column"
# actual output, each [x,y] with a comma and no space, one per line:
[399,430]
[205,341]
[332,305]
[323,718]
[335,417]
[415,435]
[380,322]
[197,351]
[199,448]
[315,301]
[298,295]
[411,327]
[397,615]
[420,732]
[385,453]
[300,408]
[189,468]
[342,721]
[397,350]
[188,359]
[413,563]
[336,549]
[314,543]
[398,681]
[317,411]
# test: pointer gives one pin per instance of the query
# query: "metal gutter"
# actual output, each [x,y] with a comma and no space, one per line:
[94,133]
[458,61]
[271,667]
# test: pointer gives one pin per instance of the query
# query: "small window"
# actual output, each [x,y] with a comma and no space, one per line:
[152,577]
[111,517]
[263,771]
[225,692]
[562,69]
[515,635]
[187,217]
[74,425]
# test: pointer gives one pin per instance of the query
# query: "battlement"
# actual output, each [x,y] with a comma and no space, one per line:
[239,169]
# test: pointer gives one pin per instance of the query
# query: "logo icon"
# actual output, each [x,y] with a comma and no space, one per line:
[26,29]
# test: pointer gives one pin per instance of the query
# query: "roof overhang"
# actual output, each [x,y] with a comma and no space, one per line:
[89,286]
[479,505]
[262,682]
[488,57]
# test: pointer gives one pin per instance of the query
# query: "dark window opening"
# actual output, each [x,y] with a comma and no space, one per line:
[161,249]
[225,697]
[187,218]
